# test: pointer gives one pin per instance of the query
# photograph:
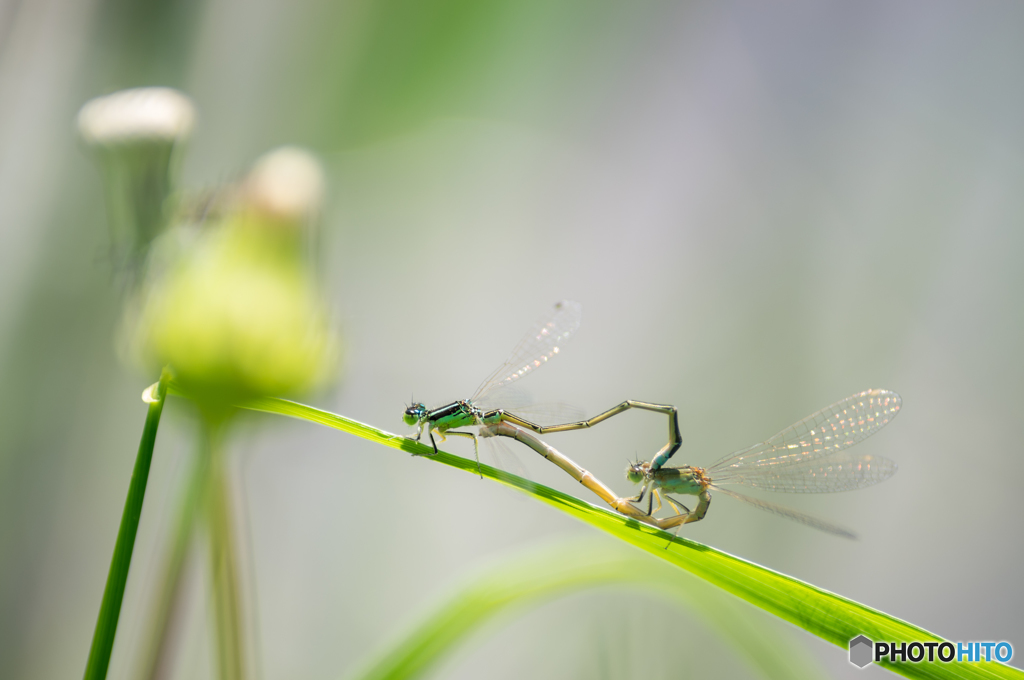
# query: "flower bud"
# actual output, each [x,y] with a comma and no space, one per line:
[235,312]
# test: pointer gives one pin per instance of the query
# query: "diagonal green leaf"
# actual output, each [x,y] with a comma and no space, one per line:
[829,616]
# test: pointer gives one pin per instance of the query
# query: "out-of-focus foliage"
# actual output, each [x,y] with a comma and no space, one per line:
[529,580]
[411,61]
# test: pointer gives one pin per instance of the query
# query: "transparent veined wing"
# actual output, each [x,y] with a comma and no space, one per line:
[514,400]
[549,413]
[540,345]
[511,398]
[841,471]
[504,457]
[825,433]
[790,513]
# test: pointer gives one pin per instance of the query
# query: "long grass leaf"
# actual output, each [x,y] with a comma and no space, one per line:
[831,617]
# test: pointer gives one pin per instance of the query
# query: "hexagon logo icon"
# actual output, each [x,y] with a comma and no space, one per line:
[861,649]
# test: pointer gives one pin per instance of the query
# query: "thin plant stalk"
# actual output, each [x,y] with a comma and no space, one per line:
[223,559]
[164,626]
[113,594]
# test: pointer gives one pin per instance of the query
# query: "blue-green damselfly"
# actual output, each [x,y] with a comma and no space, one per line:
[541,344]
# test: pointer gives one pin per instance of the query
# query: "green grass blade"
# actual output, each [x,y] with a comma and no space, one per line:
[541,575]
[829,616]
[117,577]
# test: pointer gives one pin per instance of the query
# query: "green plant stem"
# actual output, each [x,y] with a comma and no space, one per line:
[113,594]
[163,625]
[223,560]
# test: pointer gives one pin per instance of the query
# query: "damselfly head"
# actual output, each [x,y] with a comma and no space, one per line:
[637,472]
[414,414]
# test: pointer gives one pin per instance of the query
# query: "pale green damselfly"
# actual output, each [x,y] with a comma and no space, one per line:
[810,456]
[807,457]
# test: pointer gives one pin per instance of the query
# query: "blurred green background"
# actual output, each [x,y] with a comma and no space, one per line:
[762,209]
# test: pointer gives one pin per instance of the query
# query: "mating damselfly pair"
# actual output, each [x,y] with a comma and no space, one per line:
[810,456]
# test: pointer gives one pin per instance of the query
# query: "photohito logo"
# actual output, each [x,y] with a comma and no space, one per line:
[863,651]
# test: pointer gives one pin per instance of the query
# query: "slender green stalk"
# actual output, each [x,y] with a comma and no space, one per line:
[120,563]
[224,561]
[156,664]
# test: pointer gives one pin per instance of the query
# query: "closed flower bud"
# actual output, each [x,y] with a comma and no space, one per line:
[236,313]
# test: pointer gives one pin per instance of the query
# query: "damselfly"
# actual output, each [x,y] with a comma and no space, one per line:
[810,456]
[540,345]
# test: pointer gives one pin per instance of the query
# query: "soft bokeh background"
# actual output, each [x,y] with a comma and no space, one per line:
[762,209]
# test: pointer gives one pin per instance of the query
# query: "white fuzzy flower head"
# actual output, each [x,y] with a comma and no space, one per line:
[137,115]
